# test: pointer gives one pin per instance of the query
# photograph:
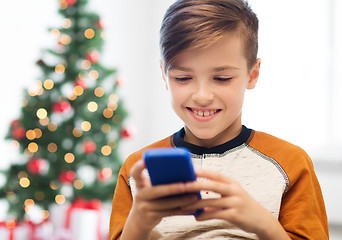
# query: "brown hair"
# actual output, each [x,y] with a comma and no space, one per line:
[198,23]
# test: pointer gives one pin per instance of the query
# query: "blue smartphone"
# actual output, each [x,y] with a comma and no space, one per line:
[170,165]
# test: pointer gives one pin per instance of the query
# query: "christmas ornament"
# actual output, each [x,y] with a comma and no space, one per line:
[89,147]
[80,82]
[67,176]
[18,132]
[104,174]
[127,132]
[71,2]
[61,106]
[119,81]
[93,56]
[99,24]
[36,166]
[15,123]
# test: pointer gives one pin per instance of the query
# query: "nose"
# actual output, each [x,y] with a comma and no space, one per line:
[203,94]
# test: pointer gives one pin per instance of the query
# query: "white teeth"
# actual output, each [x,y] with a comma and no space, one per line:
[205,113]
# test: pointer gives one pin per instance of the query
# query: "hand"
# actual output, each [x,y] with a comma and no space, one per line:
[235,205]
[152,203]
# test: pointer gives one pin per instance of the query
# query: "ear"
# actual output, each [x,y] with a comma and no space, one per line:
[163,73]
[254,75]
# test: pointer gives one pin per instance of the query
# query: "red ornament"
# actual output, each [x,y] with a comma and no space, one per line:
[99,24]
[36,166]
[104,174]
[93,56]
[119,81]
[15,123]
[67,176]
[89,147]
[61,106]
[71,2]
[80,82]
[127,132]
[18,132]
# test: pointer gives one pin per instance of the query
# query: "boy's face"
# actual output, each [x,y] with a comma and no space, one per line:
[207,90]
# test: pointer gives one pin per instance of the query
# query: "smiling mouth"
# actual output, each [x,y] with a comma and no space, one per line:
[204,113]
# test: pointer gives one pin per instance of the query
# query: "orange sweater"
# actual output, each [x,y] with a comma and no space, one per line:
[279,175]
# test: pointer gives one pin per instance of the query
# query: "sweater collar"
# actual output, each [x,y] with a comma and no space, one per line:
[178,141]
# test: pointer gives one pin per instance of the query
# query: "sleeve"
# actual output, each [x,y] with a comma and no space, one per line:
[122,203]
[302,212]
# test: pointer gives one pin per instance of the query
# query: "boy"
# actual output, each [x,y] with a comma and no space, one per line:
[256,186]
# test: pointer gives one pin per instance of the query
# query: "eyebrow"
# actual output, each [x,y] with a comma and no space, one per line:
[217,69]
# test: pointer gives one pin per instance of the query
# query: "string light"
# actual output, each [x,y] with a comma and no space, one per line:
[72,97]
[29,202]
[38,132]
[22,174]
[30,134]
[93,74]
[112,106]
[41,113]
[52,147]
[85,126]
[60,69]
[105,128]
[77,132]
[16,144]
[44,121]
[48,84]
[52,127]
[53,185]
[65,39]
[55,33]
[114,98]
[99,92]
[60,199]
[78,184]
[24,182]
[89,33]
[66,23]
[32,147]
[85,64]
[106,150]
[108,113]
[46,214]
[69,158]
[92,106]
[78,90]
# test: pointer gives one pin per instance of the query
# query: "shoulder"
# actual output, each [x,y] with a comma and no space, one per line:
[292,159]
[134,157]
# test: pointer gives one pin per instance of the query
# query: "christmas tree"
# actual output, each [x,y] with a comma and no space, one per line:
[71,121]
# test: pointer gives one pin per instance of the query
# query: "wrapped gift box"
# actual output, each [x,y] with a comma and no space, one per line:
[81,220]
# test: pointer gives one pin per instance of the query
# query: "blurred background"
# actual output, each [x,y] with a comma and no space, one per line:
[298,96]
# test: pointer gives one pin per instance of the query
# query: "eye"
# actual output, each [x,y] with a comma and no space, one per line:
[182,79]
[223,79]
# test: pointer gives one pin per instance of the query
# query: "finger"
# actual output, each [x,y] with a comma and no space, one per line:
[160,191]
[137,174]
[207,185]
[174,203]
[213,175]
[212,214]
[215,203]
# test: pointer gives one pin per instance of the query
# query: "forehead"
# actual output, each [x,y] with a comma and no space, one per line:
[227,50]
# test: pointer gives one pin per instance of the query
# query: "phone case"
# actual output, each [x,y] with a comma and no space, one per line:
[170,165]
